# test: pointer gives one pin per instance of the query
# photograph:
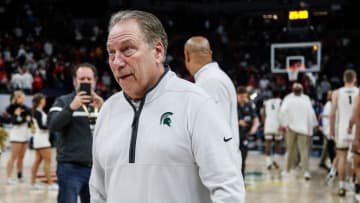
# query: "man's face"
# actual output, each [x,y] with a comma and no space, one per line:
[242,98]
[136,65]
[84,75]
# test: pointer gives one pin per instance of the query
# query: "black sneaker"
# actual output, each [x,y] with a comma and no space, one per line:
[342,192]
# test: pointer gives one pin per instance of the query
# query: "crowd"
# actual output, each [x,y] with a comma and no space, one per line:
[33,58]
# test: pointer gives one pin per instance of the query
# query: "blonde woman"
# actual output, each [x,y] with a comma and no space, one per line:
[41,143]
[21,119]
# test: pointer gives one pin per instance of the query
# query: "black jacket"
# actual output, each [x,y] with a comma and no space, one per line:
[74,140]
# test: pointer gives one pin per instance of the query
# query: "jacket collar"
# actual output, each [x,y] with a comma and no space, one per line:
[203,69]
[157,89]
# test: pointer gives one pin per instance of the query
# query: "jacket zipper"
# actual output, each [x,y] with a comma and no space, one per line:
[134,127]
[135,123]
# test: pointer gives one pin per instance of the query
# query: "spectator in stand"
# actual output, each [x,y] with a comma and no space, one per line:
[27,80]
[38,82]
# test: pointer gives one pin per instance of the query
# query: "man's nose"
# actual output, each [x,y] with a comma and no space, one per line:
[119,60]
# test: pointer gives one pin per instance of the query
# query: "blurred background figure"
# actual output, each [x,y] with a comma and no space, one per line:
[271,120]
[341,110]
[41,142]
[299,119]
[21,119]
[248,122]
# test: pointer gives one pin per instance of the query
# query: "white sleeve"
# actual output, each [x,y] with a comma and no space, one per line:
[96,184]
[215,156]
[216,91]
[97,178]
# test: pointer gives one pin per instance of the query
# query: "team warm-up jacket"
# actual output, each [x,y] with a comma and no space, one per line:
[219,86]
[74,140]
[169,147]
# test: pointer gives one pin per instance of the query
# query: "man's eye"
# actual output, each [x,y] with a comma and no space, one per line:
[127,51]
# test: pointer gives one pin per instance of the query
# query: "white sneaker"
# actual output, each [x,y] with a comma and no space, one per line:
[307,175]
[10,181]
[37,186]
[330,179]
[357,197]
[350,186]
[53,187]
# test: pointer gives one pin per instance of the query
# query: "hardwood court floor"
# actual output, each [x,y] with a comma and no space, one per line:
[263,187]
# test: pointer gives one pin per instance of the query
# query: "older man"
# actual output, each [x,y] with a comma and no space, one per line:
[298,117]
[162,138]
[209,76]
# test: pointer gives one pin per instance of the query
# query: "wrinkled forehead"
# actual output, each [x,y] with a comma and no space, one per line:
[123,28]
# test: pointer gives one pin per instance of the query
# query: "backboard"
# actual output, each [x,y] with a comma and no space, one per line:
[306,55]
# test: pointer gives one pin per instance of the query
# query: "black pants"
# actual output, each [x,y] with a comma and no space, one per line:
[244,152]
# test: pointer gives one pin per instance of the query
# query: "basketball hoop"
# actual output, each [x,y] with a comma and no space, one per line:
[293,72]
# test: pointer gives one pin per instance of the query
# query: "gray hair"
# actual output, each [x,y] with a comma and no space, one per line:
[149,24]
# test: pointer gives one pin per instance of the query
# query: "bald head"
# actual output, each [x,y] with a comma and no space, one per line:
[297,88]
[197,53]
[198,44]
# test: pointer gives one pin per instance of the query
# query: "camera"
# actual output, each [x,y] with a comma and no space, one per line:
[86,87]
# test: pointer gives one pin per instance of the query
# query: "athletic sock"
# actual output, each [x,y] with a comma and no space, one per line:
[342,184]
[268,160]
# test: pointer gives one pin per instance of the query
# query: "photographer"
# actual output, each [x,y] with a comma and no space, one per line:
[73,117]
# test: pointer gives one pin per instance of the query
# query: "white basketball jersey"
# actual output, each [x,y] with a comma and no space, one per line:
[346,97]
[272,110]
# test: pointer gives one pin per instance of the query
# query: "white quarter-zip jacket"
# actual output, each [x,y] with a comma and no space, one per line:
[172,148]
[297,113]
[219,86]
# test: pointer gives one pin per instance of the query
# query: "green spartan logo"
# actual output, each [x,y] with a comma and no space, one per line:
[165,119]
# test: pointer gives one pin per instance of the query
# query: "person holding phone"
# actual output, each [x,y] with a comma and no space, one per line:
[73,118]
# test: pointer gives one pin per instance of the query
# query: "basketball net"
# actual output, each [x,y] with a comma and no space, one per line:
[293,72]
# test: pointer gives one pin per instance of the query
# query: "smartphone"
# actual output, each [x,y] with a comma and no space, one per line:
[86,87]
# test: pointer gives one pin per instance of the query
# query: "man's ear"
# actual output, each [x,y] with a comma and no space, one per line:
[159,52]
[187,56]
